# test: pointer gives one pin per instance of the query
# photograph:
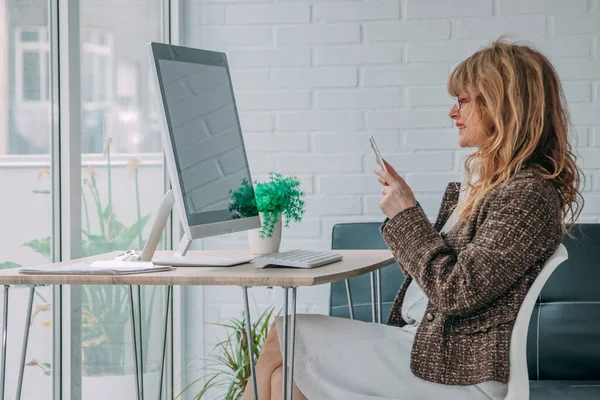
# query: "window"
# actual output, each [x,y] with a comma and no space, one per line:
[96,88]
[126,187]
[32,65]
[111,106]
[96,69]
[32,87]
[26,204]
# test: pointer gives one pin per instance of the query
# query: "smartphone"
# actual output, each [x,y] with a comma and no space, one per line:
[377,153]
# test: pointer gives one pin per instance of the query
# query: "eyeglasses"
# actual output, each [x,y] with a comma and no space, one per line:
[459,101]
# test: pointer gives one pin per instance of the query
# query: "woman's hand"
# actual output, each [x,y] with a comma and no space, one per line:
[397,195]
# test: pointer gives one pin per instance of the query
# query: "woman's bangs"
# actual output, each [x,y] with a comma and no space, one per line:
[457,83]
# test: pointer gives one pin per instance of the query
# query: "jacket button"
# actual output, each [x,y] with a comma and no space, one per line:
[429,316]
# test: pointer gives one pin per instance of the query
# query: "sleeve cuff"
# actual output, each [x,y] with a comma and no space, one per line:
[408,230]
[384,223]
[402,221]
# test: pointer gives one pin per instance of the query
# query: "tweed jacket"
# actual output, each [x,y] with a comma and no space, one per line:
[476,276]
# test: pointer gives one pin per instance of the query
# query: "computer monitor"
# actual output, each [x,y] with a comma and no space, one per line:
[203,146]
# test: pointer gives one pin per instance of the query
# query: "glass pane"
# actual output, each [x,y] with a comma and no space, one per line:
[30,36]
[26,201]
[87,78]
[46,77]
[92,130]
[123,175]
[102,38]
[101,75]
[31,76]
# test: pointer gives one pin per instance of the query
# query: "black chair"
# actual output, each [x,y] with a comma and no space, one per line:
[563,343]
[363,235]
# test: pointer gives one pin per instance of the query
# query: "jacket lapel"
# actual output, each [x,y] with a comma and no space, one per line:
[449,202]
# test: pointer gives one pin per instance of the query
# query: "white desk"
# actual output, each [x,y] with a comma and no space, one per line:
[354,263]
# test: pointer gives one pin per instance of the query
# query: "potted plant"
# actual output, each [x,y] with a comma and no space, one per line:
[228,367]
[278,199]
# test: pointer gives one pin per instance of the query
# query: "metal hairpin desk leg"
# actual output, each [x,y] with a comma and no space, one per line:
[25,341]
[373,307]
[134,345]
[141,343]
[164,349]
[4,335]
[250,341]
[285,341]
[379,295]
[293,342]
[350,303]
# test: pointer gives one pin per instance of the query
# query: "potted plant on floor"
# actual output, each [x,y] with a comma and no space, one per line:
[228,366]
[279,199]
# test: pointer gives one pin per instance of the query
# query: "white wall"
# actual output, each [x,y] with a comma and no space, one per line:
[314,78]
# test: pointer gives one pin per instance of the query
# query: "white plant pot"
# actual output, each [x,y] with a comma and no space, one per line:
[267,245]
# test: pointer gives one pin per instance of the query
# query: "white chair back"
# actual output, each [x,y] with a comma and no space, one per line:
[518,382]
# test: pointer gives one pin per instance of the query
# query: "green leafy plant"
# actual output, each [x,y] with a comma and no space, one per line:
[104,321]
[43,307]
[113,235]
[9,265]
[279,196]
[44,366]
[105,313]
[228,367]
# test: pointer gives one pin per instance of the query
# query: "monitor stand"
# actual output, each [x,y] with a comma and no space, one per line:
[180,258]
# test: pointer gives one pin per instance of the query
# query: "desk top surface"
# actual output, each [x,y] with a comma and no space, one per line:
[354,263]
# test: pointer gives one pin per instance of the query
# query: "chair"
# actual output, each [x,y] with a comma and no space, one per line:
[362,235]
[563,338]
[518,382]
[563,345]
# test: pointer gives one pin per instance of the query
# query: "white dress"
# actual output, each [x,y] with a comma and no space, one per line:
[339,358]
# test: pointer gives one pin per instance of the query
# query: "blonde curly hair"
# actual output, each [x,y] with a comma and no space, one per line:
[521,101]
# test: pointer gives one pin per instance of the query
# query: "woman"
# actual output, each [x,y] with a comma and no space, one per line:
[449,329]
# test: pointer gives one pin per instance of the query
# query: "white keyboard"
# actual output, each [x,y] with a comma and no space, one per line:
[297,259]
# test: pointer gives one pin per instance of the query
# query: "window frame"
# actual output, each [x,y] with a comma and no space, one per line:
[42,47]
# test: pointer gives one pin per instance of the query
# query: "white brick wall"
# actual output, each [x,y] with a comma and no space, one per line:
[358,54]
[404,75]
[526,26]
[363,99]
[416,9]
[315,34]
[268,14]
[413,30]
[336,11]
[314,78]
[285,100]
[320,120]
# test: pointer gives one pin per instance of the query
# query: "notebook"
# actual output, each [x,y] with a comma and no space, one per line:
[111,267]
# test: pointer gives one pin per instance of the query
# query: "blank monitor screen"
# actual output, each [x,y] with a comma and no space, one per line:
[205,131]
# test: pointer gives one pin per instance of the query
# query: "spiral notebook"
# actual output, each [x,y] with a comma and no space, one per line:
[111,267]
